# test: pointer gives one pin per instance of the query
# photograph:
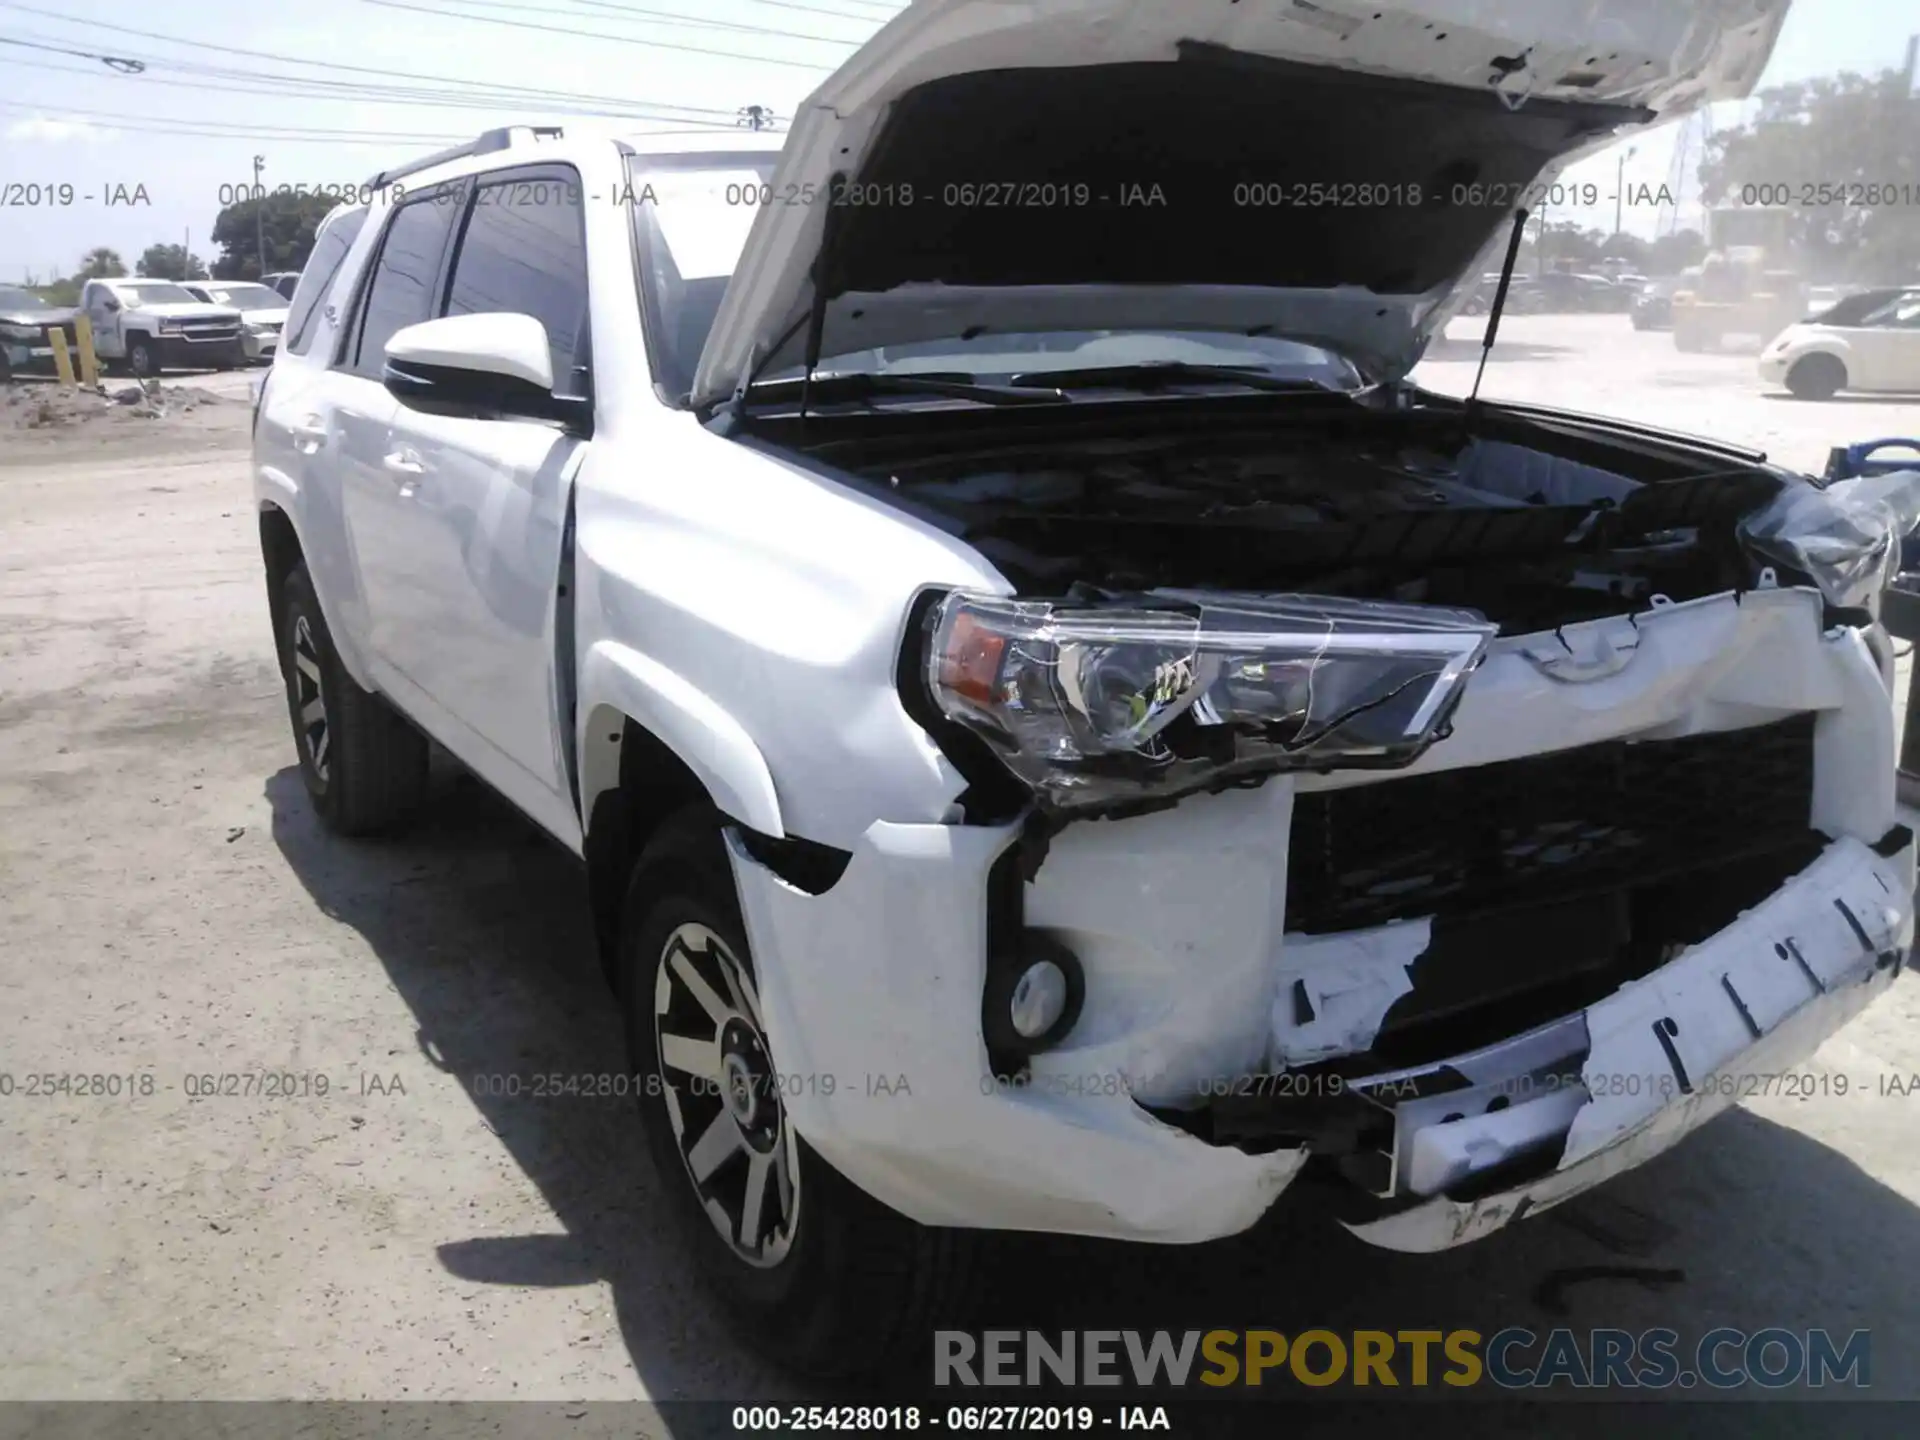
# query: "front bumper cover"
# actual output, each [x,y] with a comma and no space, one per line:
[871,993]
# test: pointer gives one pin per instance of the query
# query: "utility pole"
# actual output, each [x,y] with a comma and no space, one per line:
[259,215]
[1913,62]
[1620,186]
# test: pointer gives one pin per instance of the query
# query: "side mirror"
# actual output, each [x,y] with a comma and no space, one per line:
[107,302]
[494,366]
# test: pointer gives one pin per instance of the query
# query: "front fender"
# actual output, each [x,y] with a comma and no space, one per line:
[706,737]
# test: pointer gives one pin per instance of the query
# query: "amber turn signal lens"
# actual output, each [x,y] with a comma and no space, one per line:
[970,667]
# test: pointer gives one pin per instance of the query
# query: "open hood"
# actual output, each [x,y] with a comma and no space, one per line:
[1326,170]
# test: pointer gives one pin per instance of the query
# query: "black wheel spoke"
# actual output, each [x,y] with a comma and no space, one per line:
[721,1096]
[309,698]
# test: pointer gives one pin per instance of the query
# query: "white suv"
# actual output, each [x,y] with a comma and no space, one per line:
[1060,733]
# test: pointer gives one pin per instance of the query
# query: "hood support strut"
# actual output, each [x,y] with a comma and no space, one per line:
[1494,310]
[817,316]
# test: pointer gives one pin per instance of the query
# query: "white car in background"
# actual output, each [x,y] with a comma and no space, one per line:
[1869,341]
[263,311]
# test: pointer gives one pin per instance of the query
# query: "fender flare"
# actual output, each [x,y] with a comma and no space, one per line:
[690,723]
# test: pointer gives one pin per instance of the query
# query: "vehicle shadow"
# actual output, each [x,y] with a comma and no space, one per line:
[1878,398]
[481,923]
[1506,349]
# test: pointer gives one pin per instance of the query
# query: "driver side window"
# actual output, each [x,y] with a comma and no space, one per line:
[524,250]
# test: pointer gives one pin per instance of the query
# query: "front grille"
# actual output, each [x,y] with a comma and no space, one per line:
[196,331]
[1601,816]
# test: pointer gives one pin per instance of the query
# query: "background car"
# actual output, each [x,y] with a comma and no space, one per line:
[25,323]
[1652,306]
[147,325]
[1603,293]
[283,282]
[263,311]
[1869,341]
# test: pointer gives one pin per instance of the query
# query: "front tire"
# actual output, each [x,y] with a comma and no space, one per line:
[1816,377]
[826,1279]
[143,357]
[364,766]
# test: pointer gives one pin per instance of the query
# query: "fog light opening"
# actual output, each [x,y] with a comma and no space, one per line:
[1039,999]
[1033,998]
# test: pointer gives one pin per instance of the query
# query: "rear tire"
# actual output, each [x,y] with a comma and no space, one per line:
[1817,377]
[826,1279]
[364,766]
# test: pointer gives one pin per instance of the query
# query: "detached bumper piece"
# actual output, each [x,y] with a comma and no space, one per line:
[1453,1149]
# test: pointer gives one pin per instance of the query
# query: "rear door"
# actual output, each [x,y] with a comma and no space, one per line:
[486,501]
[386,521]
[293,427]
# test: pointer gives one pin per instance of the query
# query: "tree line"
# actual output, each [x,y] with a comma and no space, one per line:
[286,222]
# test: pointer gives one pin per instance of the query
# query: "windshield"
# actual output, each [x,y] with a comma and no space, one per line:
[246,297]
[691,215]
[11,299]
[162,294]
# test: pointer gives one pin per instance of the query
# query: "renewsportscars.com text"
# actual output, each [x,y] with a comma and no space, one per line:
[1514,1358]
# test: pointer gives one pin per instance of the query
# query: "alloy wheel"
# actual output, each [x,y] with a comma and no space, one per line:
[309,698]
[722,1098]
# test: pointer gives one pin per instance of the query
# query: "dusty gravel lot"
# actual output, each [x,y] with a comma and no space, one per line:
[169,910]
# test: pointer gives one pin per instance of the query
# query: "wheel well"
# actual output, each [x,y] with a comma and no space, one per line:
[280,550]
[653,783]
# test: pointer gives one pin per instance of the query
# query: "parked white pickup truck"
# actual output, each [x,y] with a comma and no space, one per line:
[150,325]
[1061,733]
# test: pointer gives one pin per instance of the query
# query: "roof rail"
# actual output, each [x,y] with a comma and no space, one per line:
[484,144]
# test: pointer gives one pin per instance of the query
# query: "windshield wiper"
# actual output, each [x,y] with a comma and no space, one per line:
[863,384]
[1155,373]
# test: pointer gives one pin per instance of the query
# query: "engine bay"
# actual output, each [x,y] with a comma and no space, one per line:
[1397,506]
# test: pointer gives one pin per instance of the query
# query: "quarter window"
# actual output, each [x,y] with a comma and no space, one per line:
[323,266]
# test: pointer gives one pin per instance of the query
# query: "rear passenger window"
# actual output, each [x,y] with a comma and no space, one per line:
[524,251]
[401,291]
[323,266]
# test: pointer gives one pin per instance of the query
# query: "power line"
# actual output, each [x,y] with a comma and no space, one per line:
[493,92]
[303,87]
[217,128]
[481,97]
[601,35]
[821,10]
[642,16]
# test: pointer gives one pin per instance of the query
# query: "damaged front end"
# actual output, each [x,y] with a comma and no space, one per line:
[1469,856]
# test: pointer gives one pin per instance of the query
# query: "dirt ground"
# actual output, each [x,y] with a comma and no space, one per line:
[170,910]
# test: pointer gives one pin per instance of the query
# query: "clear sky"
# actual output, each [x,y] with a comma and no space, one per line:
[195,118]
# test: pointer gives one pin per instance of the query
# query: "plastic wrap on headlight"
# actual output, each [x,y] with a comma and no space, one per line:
[1159,694]
[1845,538]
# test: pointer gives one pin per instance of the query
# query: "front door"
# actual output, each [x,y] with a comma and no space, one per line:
[488,498]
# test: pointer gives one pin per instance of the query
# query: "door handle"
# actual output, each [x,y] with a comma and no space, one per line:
[312,432]
[404,463]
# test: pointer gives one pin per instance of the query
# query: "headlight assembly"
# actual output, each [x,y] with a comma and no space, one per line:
[20,332]
[1156,695]
[1845,537]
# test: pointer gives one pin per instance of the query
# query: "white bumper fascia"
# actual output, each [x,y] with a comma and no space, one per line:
[871,994]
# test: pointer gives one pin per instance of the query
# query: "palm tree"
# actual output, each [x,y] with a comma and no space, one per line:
[101,263]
